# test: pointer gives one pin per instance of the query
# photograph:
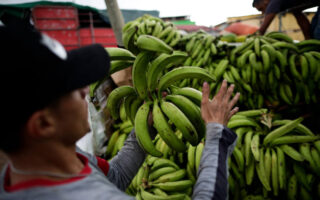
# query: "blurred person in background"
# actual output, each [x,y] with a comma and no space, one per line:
[270,8]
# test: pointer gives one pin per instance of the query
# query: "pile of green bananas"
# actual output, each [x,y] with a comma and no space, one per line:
[282,156]
[272,68]
[149,25]
[201,48]
[160,178]
[149,81]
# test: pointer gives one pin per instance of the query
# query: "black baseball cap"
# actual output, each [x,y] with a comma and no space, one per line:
[36,70]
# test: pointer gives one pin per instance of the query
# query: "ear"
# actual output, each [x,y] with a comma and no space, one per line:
[41,124]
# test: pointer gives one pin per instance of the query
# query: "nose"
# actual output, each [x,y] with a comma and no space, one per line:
[84,91]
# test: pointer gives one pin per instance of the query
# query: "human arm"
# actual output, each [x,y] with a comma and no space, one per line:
[266,22]
[212,182]
[125,165]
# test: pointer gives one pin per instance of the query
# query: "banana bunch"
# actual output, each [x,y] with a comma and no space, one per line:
[160,178]
[271,70]
[268,153]
[149,25]
[201,48]
[149,81]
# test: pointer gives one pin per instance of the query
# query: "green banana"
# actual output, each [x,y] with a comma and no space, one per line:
[240,133]
[157,29]
[293,68]
[198,155]
[165,32]
[149,196]
[268,164]
[305,150]
[194,95]
[173,186]
[243,58]
[222,66]
[173,176]
[291,152]
[160,172]
[162,162]
[159,64]
[115,97]
[282,130]
[112,142]
[116,53]
[257,46]
[191,158]
[260,168]
[301,174]
[312,62]
[213,49]
[280,36]
[239,158]
[317,145]
[304,67]
[292,190]
[274,172]
[247,142]
[271,51]
[139,73]
[293,139]
[180,121]
[308,42]
[286,45]
[284,95]
[241,122]
[235,73]
[118,65]
[165,131]
[315,157]
[300,128]
[265,60]
[281,168]
[191,174]
[170,36]
[127,106]
[208,41]
[136,103]
[191,111]
[255,147]
[182,73]
[151,43]
[253,113]
[249,172]
[128,39]
[190,44]
[176,39]
[142,132]
[159,192]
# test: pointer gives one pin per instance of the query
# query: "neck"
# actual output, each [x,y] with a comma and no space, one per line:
[53,158]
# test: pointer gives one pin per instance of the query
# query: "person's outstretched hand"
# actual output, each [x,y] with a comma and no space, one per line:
[220,108]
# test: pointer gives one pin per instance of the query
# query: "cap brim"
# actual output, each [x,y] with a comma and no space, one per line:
[87,65]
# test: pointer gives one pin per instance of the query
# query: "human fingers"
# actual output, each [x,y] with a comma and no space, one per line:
[222,91]
[205,93]
[234,101]
[232,112]
[229,93]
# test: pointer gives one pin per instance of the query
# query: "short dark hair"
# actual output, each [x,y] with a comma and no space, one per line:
[36,71]
[255,2]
